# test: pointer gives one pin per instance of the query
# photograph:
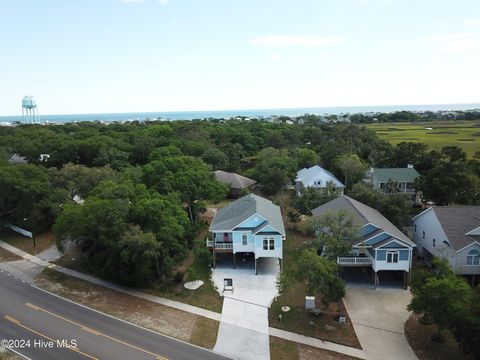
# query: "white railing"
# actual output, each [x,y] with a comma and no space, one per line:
[354,261]
[209,243]
[223,246]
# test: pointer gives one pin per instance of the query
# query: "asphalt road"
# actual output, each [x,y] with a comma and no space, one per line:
[43,326]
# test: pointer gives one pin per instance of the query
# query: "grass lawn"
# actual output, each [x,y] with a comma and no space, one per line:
[281,349]
[178,324]
[464,134]
[418,336]
[7,355]
[8,256]
[43,241]
[298,320]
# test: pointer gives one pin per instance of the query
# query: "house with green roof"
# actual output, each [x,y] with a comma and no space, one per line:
[395,180]
[249,225]
[381,252]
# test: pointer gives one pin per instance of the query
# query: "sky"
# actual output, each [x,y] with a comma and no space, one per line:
[97,56]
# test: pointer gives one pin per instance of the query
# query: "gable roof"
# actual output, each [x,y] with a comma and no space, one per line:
[395,174]
[234,180]
[365,215]
[17,159]
[309,177]
[456,222]
[240,210]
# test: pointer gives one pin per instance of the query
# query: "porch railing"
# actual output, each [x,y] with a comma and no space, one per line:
[354,261]
[209,243]
[223,246]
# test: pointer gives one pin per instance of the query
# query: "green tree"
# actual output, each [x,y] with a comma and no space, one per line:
[337,231]
[306,157]
[320,276]
[274,169]
[190,177]
[441,296]
[352,167]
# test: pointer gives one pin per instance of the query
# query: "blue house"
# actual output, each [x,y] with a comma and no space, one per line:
[381,247]
[250,224]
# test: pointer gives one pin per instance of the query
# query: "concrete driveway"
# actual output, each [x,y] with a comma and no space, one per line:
[378,317]
[243,333]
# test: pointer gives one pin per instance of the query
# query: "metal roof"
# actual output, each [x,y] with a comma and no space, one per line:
[395,174]
[312,175]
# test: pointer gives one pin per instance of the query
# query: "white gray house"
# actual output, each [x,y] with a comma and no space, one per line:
[249,225]
[382,250]
[318,178]
[453,233]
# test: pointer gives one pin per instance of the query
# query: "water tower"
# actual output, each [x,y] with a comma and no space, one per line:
[30,110]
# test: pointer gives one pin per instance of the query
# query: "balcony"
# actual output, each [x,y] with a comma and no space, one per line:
[223,246]
[354,261]
[219,245]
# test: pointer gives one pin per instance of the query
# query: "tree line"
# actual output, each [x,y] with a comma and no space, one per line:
[143,185]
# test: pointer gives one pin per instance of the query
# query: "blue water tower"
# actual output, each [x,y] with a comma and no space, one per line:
[30,110]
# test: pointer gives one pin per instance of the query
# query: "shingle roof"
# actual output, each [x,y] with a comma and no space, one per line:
[17,159]
[396,174]
[309,176]
[235,181]
[456,221]
[365,214]
[240,210]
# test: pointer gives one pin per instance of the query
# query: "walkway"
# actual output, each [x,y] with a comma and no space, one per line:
[225,323]
[378,317]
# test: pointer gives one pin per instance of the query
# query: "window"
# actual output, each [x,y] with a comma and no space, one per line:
[265,243]
[415,228]
[244,239]
[392,256]
[473,257]
[433,241]
[272,243]
[423,234]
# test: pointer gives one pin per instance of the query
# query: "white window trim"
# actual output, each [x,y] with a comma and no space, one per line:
[265,240]
[392,252]
[473,257]
[244,241]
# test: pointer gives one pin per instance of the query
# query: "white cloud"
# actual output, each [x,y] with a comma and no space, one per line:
[292,40]
[472,22]
[455,42]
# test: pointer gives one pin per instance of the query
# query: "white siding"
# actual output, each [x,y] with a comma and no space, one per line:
[429,223]
[461,263]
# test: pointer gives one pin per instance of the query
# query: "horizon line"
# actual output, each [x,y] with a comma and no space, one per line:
[251,109]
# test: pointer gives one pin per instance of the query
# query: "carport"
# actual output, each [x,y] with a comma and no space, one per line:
[365,276]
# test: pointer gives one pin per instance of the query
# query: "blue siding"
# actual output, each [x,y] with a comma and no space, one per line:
[404,254]
[372,252]
[368,229]
[381,255]
[395,245]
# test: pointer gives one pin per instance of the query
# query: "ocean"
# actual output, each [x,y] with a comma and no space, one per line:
[219,114]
